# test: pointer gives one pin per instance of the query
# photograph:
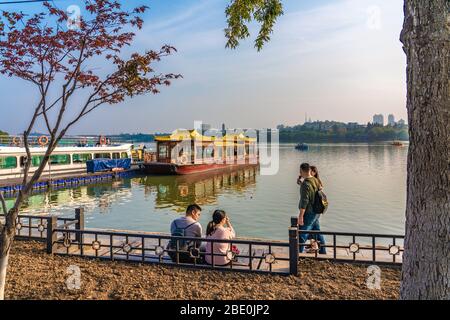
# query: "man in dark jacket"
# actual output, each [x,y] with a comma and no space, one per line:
[307,218]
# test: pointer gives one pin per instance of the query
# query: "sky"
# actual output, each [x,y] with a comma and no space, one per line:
[331,59]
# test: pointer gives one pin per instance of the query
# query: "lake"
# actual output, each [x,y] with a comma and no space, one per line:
[365,185]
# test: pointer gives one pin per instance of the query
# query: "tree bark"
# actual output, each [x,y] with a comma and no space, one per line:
[6,238]
[426,42]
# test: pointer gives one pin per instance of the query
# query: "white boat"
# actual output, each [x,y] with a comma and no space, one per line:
[64,160]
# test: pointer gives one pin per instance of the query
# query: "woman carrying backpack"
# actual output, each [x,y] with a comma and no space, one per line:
[219,228]
[311,205]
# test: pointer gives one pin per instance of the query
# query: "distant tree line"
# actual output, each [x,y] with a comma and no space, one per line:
[3,133]
[134,137]
[331,131]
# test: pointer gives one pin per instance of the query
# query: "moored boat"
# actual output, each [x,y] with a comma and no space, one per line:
[397,143]
[65,159]
[188,152]
[302,146]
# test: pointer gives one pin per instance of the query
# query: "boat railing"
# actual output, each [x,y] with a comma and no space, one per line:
[70,141]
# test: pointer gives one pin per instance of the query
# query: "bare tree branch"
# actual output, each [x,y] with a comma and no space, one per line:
[3,203]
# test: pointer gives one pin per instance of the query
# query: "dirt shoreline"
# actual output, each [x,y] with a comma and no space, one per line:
[33,274]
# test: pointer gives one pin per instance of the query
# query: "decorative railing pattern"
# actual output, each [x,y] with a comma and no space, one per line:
[36,227]
[68,236]
[253,255]
[351,246]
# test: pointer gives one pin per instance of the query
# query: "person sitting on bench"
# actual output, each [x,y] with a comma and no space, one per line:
[219,228]
[187,226]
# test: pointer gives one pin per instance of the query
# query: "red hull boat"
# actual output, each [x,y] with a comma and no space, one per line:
[174,169]
[187,152]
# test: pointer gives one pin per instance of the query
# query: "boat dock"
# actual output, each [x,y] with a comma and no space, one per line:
[12,185]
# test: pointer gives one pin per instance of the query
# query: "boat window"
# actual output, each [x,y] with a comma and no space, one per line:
[199,152]
[81,157]
[116,155]
[124,155]
[8,162]
[219,152]
[209,152]
[252,149]
[36,160]
[162,151]
[59,159]
[240,150]
[102,156]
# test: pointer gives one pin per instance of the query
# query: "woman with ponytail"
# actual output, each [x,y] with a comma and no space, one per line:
[219,228]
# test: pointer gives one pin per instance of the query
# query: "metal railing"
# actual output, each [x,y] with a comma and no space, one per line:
[36,227]
[33,141]
[350,246]
[68,236]
[253,256]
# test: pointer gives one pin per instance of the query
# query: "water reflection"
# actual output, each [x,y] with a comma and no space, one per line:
[95,197]
[167,192]
[177,192]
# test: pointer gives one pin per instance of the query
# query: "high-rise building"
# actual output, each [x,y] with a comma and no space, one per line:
[205,127]
[378,119]
[391,120]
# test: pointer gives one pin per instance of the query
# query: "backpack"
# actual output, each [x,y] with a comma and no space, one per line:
[320,203]
[183,245]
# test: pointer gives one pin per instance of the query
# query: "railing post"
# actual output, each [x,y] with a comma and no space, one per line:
[79,215]
[294,222]
[293,251]
[52,224]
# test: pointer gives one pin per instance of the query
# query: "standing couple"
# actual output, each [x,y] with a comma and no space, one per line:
[308,218]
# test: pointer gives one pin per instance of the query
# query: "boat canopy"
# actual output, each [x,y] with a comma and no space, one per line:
[236,137]
[183,135]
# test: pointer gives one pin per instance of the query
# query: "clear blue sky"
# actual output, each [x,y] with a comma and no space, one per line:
[337,60]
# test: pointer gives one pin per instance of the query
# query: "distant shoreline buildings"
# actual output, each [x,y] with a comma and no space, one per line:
[378,119]
[334,131]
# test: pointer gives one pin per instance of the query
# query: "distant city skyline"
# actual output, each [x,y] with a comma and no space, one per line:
[336,60]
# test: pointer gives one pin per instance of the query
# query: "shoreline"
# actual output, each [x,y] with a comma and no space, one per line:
[33,274]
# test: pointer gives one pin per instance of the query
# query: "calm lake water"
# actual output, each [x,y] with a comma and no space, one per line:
[365,184]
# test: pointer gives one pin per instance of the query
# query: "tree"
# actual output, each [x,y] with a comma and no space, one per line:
[425,37]
[62,59]
[426,42]
[241,12]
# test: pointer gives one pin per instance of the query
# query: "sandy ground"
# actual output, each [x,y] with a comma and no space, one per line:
[33,274]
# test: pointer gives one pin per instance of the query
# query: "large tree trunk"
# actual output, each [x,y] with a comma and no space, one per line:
[426,40]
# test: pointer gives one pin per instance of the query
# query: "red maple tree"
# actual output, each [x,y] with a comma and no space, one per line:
[56,53]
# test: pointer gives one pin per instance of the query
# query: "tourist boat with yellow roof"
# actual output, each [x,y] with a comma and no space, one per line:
[188,152]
